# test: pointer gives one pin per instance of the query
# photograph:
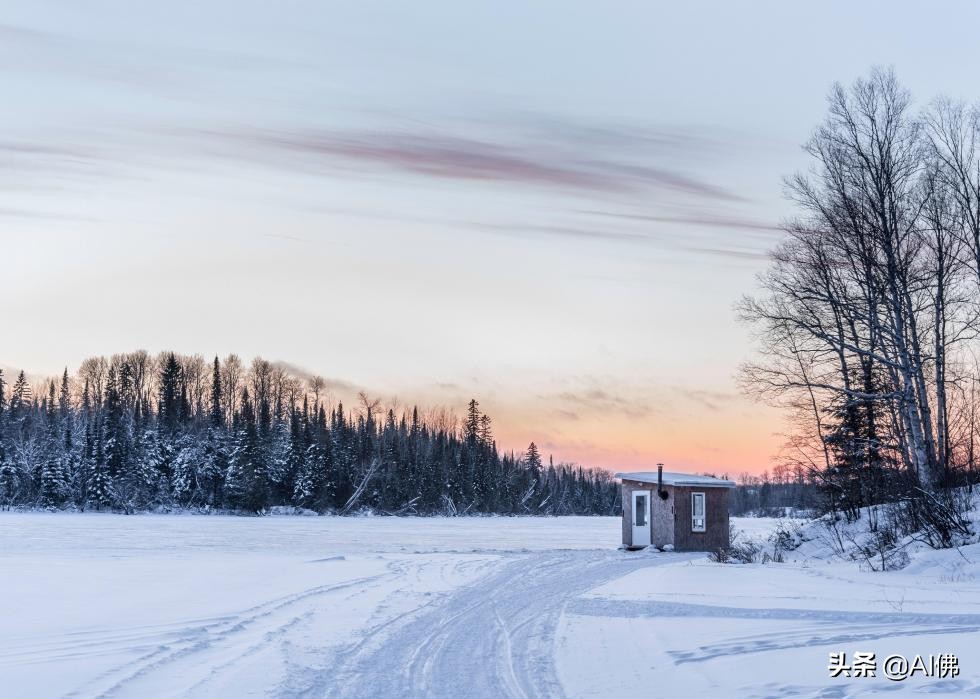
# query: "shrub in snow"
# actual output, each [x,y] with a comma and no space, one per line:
[938,518]
[880,551]
[748,550]
[881,535]
[787,537]
[742,552]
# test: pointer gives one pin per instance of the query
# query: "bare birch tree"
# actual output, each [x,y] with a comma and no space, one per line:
[871,299]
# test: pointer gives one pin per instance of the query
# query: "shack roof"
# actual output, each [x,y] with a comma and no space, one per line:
[674,478]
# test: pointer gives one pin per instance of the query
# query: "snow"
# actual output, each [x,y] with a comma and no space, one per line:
[196,606]
[675,478]
[768,630]
[758,529]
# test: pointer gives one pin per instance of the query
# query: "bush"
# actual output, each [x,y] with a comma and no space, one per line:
[880,551]
[936,518]
[787,537]
[746,551]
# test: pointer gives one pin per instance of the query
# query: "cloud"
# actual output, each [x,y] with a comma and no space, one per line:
[705,221]
[602,401]
[503,156]
[11,149]
[11,32]
[43,181]
[686,142]
[712,400]
[567,231]
[133,64]
[290,238]
[666,239]
[20,159]
[731,254]
[42,216]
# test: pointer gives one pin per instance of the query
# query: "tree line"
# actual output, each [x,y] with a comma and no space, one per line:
[780,493]
[868,316]
[136,432]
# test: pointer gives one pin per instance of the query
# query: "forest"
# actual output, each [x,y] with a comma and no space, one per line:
[136,432]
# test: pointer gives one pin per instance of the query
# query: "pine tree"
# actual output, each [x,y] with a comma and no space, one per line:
[125,388]
[86,401]
[20,400]
[214,465]
[532,457]
[247,486]
[486,431]
[217,409]
[184,483]
[64,411]
[281,460]
[50,408]
[100,494]
[8,481]
[8,471]
[303,461]
[53,485]
[83,473]
[170,404]
[116,434]
[135,449]
[472,427]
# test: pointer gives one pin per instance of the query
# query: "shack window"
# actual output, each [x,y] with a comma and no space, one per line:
[697,512]
[640,516]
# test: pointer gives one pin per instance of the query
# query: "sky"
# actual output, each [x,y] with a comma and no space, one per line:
[551,207]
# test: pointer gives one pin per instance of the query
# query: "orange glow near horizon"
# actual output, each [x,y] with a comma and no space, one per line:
[741,438]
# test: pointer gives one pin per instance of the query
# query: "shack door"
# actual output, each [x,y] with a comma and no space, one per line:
[641,518]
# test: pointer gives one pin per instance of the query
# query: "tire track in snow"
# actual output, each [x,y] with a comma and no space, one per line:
[825,627]
[599,606]
[227,635]
[494,637]
[510,677]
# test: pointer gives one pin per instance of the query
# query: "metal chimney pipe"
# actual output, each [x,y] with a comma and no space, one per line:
[660,481]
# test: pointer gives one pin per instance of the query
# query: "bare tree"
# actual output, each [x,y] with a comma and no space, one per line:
[369,406]
[316,386]
[232,379]
[871,295]
[94,370]
[953,141]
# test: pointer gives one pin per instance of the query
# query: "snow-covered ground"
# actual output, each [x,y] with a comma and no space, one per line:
[758,529]
[148,606]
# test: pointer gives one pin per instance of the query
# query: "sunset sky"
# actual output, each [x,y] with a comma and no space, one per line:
[550,207]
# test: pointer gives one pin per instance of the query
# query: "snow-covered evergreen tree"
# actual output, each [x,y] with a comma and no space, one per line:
[137,438]
[214,465]
[247,486]
[9,475]
[53,483]
[100,492]
[184,485]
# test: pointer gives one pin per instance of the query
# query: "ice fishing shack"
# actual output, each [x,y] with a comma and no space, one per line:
[678,511]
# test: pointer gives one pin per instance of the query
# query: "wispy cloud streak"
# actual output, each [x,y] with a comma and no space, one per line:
[715,221]
[470,159]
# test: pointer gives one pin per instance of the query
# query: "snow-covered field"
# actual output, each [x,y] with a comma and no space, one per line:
[167,606]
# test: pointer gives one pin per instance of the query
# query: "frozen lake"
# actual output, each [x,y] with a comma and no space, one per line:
[146,606]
